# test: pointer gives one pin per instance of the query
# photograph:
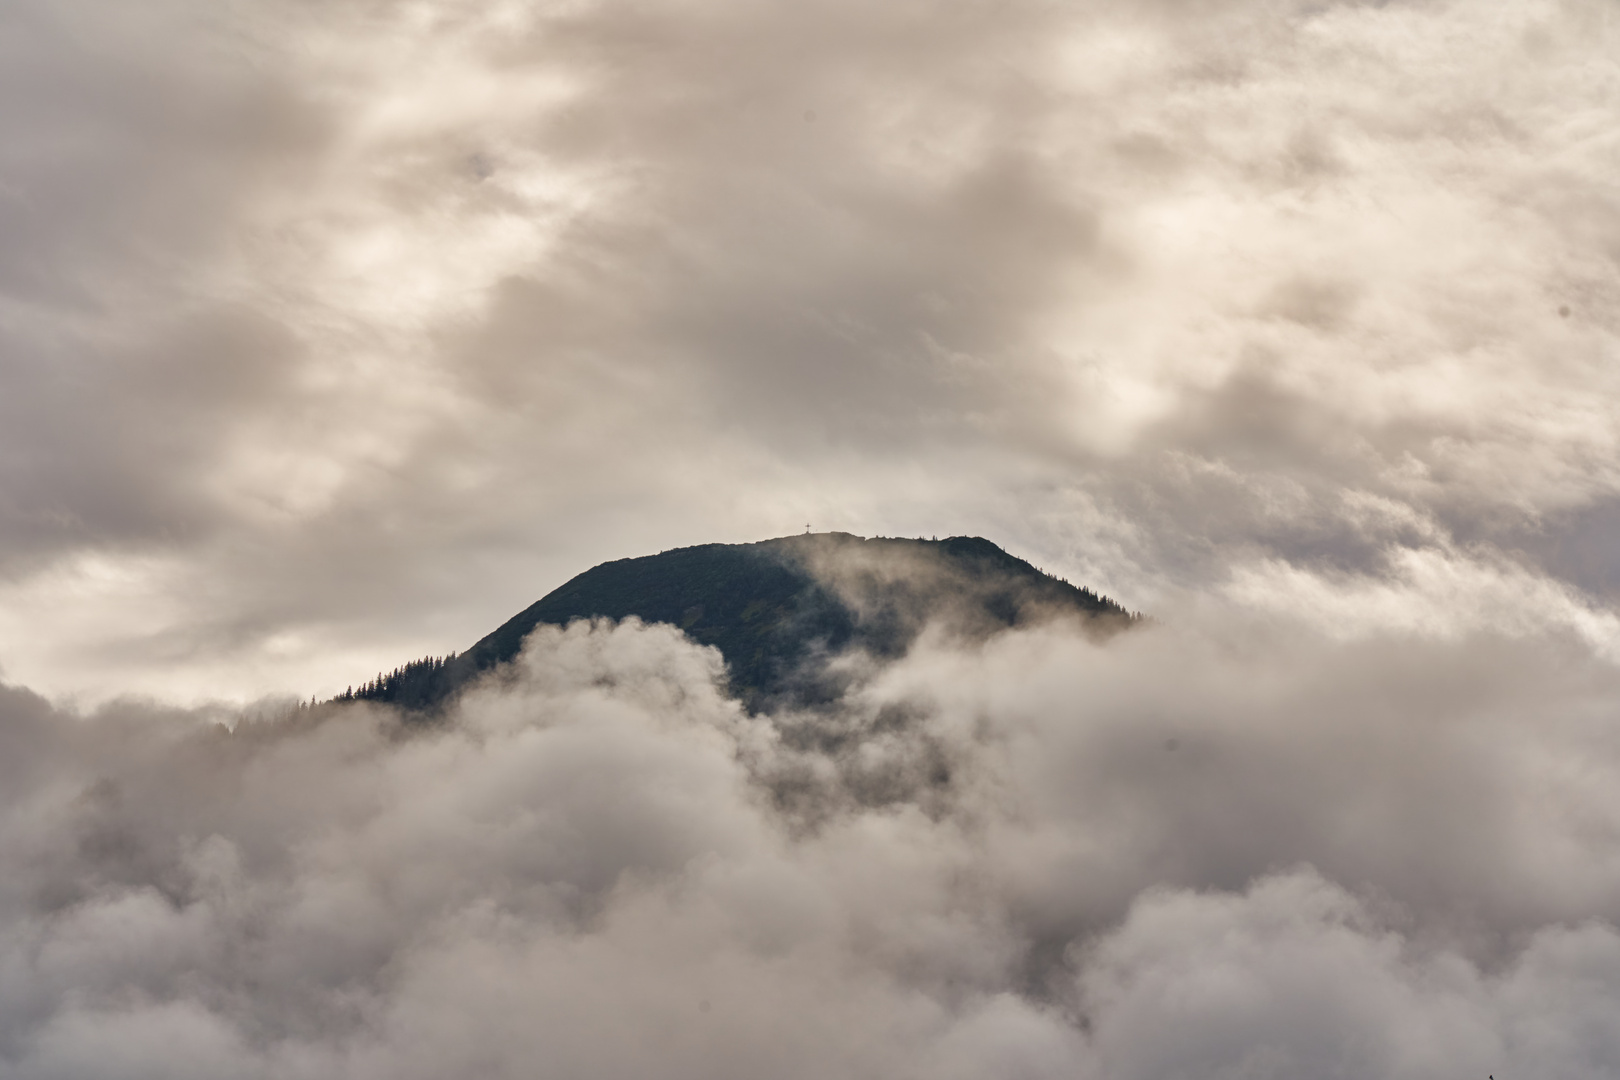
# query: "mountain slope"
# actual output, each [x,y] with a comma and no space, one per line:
[779,608]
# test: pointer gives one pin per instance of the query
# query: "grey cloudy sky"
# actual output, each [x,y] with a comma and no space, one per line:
[333,334]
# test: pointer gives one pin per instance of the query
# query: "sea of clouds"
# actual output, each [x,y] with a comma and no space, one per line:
[1215,848]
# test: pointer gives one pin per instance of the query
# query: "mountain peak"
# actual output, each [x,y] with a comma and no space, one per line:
[778,609]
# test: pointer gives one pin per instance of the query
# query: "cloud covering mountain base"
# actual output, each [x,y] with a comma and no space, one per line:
[1300,857]
[330,333]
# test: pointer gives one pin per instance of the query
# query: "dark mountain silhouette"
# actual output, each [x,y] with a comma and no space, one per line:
[778,609]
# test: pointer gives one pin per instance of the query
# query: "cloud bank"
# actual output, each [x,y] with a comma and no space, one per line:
[1396,858]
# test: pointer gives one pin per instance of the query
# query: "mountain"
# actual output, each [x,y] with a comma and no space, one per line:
[779,609]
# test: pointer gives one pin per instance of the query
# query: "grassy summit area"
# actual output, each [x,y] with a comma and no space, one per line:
[778,609]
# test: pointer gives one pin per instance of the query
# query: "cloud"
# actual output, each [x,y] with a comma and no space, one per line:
[333,336]
[1292,978]
[1392,857]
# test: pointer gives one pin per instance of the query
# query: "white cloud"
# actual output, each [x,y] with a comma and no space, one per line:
[594,864]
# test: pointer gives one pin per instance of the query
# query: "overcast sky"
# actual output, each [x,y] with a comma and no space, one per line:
[332,334]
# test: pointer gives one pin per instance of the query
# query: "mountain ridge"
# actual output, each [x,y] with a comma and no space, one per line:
[778,609]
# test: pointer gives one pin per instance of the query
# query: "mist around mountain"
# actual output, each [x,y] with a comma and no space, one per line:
[1221,845]
[796,618]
